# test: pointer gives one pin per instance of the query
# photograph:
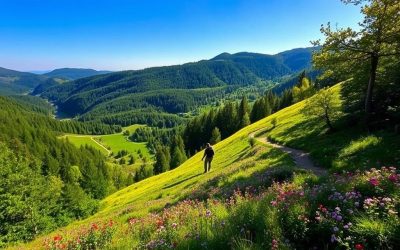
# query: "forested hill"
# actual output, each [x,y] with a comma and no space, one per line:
[15,82]
[45,182]
[74,73]
[171,89]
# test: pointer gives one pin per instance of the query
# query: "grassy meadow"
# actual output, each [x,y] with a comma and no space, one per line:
[238,165]
[110,145]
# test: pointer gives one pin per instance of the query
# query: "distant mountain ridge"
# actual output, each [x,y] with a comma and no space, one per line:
[74,73]
[16,82]
[172,89]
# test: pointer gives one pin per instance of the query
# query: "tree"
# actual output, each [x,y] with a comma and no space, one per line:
[303,90]
[215,136]
[162,163]
[326,104]
[245,121]
[177,158]
[243,112]
[346,51]
[131,160]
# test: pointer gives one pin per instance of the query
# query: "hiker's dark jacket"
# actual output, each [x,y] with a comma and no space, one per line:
[209,152]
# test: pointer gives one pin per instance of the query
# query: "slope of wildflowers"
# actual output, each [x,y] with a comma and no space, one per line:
[255,198]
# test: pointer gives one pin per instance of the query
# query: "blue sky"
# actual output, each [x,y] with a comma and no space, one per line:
[133,34]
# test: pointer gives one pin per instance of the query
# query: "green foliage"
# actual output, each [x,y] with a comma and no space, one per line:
[365,55]
[215,136]
[252,141]
[177,89]
[14,82]
[326,105]
[162,160]
[303,90]
[56,182]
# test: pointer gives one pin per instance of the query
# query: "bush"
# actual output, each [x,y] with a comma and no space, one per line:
[252,141]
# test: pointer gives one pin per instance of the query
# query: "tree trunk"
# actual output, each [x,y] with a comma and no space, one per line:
[328,121]
[371,83]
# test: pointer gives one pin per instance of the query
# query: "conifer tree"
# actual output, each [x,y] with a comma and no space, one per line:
[215,136]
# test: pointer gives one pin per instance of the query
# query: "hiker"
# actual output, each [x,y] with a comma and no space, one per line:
[208,154]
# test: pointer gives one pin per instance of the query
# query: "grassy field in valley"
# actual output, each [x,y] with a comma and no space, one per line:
[112,144]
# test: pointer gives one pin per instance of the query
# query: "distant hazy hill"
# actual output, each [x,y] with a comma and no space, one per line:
[74,73]
[172,89]
[15,82]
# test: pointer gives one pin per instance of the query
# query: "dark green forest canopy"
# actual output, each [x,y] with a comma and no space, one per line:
[29,148]
[172,89]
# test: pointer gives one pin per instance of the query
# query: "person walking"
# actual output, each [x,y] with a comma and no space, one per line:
[208,155]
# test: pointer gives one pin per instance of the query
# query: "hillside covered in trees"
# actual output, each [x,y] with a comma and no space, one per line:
[117,97]
[46,182]
[14,82]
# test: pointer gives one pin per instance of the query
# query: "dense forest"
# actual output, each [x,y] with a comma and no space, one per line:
[176,89]
[14,82]
[46,182]
[172,146]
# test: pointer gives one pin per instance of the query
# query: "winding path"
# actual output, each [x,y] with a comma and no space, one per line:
[301,158]
[101,145]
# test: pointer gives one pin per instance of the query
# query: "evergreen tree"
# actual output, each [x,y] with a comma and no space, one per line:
[162,164]
[177,158]
[243,113]
[215,136]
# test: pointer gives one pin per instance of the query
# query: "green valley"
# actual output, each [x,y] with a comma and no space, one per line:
[246,151]
[237,166]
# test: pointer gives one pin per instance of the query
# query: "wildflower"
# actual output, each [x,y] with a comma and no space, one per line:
[335,229]
[95,226]
[333,238]
[174,225]
[274,203]
[393,177]
[339,218]
[274,244]
[132,221]
[374,181]
[57,238]
[208,213]
[359,247]
[160,223]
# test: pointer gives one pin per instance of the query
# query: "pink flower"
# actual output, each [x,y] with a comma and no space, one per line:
[393,177]
[374,181]
[359,247]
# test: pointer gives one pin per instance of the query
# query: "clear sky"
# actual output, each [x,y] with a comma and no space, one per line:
[133,34]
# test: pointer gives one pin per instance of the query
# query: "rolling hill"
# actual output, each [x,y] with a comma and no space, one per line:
[74,73]
[15,82]
[237,165]
[175,89]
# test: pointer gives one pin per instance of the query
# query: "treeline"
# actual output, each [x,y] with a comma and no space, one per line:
[149,117]
[45,182]
[76,127]
[172,89]
[172,146]
[167,145]
[34,103]
[220,123]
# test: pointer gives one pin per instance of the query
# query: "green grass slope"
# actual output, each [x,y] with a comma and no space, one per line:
[238,164]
